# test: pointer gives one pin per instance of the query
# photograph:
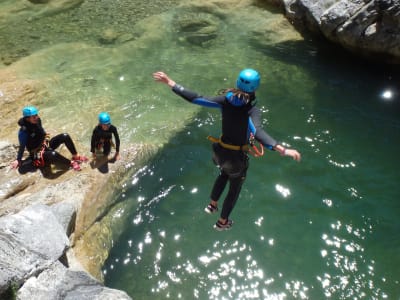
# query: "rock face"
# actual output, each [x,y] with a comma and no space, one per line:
[59,282]
[25,254]
[40,221]
[369,28]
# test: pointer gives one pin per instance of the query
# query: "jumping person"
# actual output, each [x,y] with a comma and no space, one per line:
[241,125]
[102,137]
[41,148]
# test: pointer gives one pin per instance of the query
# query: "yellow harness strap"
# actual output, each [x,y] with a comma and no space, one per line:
[228,146]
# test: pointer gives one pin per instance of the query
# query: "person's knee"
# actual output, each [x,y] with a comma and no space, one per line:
[49,156]
[66,136]
[52,154]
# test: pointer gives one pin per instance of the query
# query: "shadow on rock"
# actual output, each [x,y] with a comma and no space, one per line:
[47,171]
[101,164]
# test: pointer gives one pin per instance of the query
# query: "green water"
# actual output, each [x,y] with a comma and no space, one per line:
[324,228]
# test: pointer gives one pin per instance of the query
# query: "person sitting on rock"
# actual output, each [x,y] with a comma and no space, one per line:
[102,137]
[40,146]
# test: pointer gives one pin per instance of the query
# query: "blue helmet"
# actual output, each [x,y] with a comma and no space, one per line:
[248,80]
[29,111]
[104,118]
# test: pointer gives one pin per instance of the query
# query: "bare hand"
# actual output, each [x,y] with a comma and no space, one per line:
[15,164]
[162,77]
[293,153]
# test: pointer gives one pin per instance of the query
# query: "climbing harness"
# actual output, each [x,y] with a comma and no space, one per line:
[38,160]
[228,146]
[250,148]
[253,150]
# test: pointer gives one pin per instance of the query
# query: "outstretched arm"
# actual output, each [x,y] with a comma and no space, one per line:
[256,128]
[293,153]
[190,96]
[163,78]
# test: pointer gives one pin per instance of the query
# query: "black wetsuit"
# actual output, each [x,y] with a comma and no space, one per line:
[32,137]
[102,138]
[237,123]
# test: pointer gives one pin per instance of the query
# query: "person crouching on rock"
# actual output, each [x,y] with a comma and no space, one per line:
[40,146]
[102,137]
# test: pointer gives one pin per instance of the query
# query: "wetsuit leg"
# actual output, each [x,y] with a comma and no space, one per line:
[63,138]
[106,148]
[235,186]
[219,186]
[51,156]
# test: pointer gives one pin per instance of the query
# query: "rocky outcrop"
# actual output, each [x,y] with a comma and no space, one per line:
[67,284]
[25,253]
[34,260]
[368,28]
[42,218]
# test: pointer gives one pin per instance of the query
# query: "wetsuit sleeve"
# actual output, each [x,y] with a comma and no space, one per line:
[192,97]
[23,139]
[116,137]
[255,127]
[93,141]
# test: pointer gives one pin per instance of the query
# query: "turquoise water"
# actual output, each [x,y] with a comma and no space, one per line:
[324,228]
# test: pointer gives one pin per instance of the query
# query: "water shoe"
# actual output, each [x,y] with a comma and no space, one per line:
[210,209]
[220,226]
[75,165]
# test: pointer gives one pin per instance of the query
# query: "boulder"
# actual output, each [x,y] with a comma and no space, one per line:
[30,241]
[59,282]
[369,28]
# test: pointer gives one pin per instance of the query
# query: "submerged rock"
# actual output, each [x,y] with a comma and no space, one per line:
[197,28]
[108,36]
[39,1]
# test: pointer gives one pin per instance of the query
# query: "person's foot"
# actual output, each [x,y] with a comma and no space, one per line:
[80,158]
[75,165]
[210,209]
[219,226]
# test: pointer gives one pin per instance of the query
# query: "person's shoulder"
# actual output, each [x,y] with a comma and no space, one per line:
[253,109]
[21,122]
[96,129]
[22,125]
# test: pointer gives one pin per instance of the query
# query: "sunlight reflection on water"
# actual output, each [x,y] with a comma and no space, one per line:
[351,273]
[314,246]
